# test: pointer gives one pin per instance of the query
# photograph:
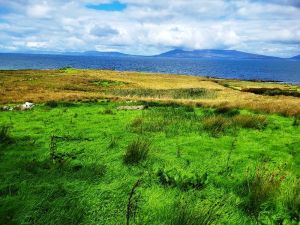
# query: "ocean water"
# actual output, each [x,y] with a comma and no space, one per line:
[283,70]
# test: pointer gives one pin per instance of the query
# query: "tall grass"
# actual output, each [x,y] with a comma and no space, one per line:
[218,124]
[5,137]
[250,121]
[137,151]
[215,125]
[186,213]
[262,187]
[170,120]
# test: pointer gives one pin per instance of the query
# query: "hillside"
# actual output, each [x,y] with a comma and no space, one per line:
[213,54]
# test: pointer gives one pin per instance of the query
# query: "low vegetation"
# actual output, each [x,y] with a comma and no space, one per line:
[69,84]
[137,151]
[78,158]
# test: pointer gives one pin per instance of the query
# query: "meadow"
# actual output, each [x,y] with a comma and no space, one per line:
[203,151]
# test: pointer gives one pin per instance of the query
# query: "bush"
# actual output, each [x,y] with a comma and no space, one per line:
[137,151]
[250,121]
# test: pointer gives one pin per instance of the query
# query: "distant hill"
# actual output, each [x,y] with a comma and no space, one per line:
[96,53]
[297,57]
[213,54]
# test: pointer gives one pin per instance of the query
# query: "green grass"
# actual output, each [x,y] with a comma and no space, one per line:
[78,163]
[182,93]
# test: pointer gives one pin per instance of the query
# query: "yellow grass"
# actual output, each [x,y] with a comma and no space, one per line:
[44,85]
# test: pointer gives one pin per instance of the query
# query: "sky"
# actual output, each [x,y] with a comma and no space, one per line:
[148,27]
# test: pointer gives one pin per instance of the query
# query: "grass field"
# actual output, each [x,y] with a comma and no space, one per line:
[72,85]
[75,159]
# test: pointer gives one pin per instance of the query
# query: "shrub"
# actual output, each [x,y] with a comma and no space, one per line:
[250,121]
[137,151]
[5,137]
[215,124]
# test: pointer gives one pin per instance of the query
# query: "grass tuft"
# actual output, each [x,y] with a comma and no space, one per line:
[5,137]
[262,187]
[250,121]
[113,142]
[186,213]
[215,125]
[137,151]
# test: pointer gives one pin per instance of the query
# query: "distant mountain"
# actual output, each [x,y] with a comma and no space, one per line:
[95,53]
[213,54]
[297,57]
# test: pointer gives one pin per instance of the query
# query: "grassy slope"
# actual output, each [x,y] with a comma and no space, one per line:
[93,187]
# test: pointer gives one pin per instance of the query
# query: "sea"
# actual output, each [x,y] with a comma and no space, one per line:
[279,70]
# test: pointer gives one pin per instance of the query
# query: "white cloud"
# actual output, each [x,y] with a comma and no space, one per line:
[39,10]
[36,44]
[149,27]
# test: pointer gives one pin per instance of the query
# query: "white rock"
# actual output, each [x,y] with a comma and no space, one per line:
[27,105]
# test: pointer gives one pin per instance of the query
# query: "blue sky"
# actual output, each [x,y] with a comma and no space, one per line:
[149,27]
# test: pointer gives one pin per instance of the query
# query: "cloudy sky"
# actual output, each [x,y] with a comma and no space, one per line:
[270,27]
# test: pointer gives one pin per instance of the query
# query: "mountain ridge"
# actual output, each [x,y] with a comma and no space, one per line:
[175,53]
[213,54]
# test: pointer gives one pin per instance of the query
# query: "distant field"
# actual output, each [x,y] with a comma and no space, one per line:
[78,158]
[72,84]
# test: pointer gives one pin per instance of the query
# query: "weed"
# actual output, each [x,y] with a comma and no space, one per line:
[185,182]
[232,147]
[132,203]
[137,151]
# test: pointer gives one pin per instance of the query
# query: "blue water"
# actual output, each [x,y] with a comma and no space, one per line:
[259,69]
